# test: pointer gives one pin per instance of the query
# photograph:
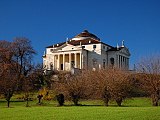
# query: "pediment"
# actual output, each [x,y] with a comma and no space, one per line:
[66,47]
[125,51]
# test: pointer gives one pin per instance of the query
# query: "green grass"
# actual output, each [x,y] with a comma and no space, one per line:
[132,109]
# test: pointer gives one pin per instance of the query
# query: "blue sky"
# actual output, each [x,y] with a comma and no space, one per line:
[46,22]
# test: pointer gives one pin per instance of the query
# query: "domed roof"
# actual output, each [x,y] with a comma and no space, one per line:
[84,35]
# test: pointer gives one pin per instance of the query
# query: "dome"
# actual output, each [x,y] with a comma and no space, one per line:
[84,35]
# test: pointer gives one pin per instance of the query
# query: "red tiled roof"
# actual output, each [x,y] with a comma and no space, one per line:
[83,42]
[77,42]
[56,45]
[89,38]
[85,33]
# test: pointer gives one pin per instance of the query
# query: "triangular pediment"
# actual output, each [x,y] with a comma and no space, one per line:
[66,47]
[125,51]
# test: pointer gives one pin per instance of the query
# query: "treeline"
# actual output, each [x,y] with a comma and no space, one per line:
[19,74]
[113,84]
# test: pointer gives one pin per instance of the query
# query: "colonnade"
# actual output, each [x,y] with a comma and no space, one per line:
[123,62]
[65,61]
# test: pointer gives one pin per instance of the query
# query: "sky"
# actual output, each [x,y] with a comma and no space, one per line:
[47,22]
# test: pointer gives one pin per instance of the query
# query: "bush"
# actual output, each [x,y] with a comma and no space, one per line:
[60,99]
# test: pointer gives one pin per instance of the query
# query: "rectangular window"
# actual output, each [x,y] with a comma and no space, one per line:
[83,47]
[104,47]
[94,46]
[104,65]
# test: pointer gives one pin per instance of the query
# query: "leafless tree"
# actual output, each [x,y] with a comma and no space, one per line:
[113,84]
[75,87]
[15,61]
[119,85]
[149,75]
[23,54]
[8,72]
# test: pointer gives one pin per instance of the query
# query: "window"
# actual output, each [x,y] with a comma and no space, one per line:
[94,46]
[112,61]
[104,63]
[104,47]
[51,50]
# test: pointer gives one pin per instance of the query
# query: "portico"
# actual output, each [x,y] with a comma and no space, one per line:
[66,61]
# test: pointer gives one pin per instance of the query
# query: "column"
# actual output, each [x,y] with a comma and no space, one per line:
[80,57]
[121,61]
[58,68]
[75,60]
[125,63]
[63,61]
[69,61]
[117,61]
[53,62]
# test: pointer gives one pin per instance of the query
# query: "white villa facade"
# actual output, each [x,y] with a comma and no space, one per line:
[85,51]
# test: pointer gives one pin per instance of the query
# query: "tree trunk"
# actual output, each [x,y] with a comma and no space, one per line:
[106,102]
[8,103]
[27,103]
[119,101]
[39,101]
[75,101]
[155,100]
[106,96]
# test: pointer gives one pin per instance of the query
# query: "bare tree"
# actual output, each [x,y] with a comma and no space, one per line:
[23,54]
[149,75]
[119,85]
[15,61]
[101,85]
[113,84]
[8,73]
[75,87]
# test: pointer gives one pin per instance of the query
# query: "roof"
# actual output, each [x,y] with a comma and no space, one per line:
[56,45]
[76,42]
[84,38]
[115,49]
[83,42]
[86,34]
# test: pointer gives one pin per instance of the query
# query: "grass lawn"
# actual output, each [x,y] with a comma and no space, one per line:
[134,109]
